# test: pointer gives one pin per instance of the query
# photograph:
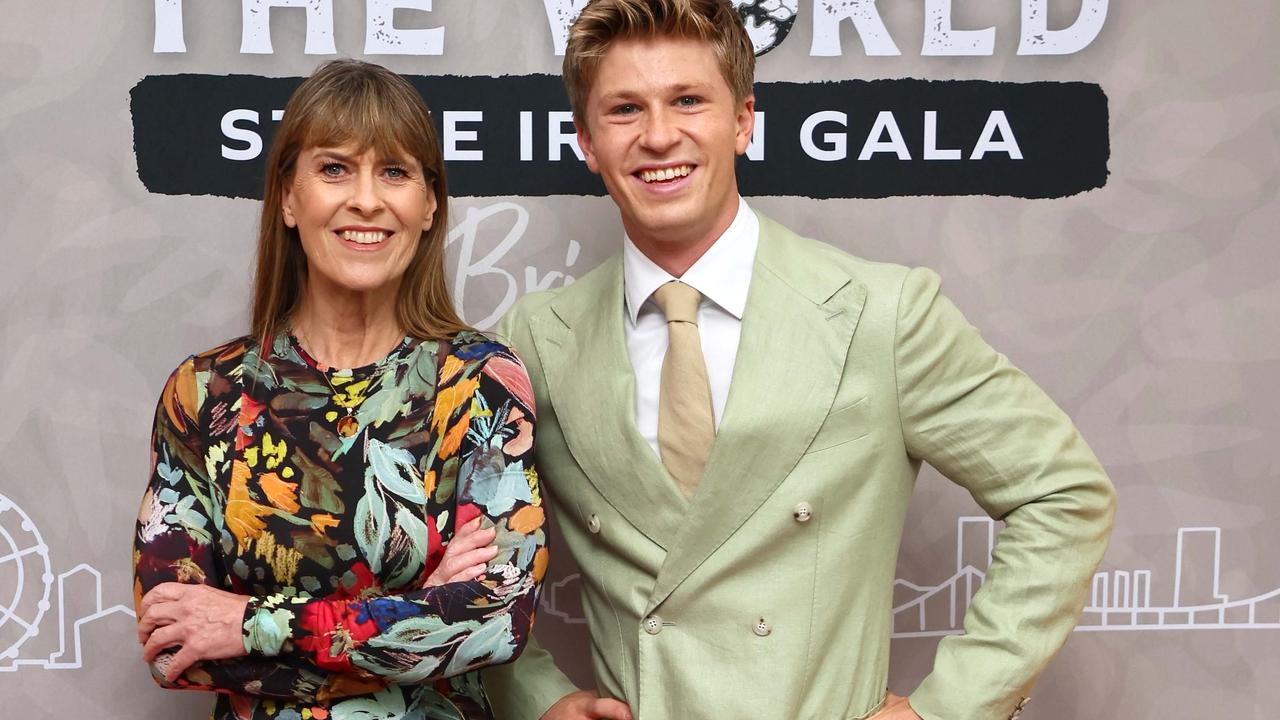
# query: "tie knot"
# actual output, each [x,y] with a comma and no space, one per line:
[678,301]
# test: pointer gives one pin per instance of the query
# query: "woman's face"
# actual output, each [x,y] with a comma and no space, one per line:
[360,216]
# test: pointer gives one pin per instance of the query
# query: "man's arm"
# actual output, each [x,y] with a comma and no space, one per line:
[528,687]
[532,687]
[985,425]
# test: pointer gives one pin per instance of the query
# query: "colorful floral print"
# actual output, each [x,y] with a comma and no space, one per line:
[328,497]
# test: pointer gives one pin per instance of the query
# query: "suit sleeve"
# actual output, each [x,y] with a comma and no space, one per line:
[526,688]
[985,425]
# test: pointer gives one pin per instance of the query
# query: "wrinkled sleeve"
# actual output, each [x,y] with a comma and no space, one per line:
[526,688]
[175,541]
[485,418]
[981,422]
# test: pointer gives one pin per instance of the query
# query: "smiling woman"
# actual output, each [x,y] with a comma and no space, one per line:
[343,517]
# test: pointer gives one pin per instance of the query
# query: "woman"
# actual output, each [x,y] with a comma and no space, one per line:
[306,480]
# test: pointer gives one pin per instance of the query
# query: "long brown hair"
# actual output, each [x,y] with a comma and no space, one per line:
[349,101]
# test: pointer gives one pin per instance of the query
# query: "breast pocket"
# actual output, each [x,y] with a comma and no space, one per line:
[841,426]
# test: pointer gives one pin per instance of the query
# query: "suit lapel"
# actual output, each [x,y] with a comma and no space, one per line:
[796,331]
[589,375]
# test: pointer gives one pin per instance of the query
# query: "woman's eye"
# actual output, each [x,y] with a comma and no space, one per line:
[397,173]
[331,169]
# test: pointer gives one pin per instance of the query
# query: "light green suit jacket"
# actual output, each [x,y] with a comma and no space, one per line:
[737,603]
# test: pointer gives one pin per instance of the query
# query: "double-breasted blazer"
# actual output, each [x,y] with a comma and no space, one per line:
[769,593]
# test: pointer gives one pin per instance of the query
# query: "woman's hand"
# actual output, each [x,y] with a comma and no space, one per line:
[466,556]
[203,622]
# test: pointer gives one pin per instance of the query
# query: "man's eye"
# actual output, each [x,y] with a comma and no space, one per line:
[627,109]
[688,101]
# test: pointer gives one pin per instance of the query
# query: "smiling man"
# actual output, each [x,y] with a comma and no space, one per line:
[733,418]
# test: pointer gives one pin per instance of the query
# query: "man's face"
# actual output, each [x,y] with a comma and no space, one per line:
[662,130]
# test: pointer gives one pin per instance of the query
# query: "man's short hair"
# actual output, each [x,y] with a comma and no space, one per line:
[604,21]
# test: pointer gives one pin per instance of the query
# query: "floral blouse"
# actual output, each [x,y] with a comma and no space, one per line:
[328,496]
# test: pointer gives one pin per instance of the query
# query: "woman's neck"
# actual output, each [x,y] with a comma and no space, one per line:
[346,330]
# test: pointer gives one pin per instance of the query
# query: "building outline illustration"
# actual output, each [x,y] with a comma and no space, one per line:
[13,551]
[1120,600]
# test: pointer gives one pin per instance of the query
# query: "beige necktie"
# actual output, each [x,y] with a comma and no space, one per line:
[686,425]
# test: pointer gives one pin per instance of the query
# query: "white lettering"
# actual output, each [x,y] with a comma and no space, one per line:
[558,138]
[836,149]
[931,150]
[526,136]
[382,37]
[453,136]
[255,34]
[941,39]
[1007,142]
[827,16]
[253,141]
[485,270]
[1038,39]
[169,37]
[755,149]
[560,15]
[885,122]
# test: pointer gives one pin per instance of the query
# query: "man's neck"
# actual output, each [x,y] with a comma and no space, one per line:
[676,252]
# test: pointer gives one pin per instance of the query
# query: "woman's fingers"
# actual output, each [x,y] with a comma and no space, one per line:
[468,574]
[158,615]
[164,592]
[165,637]
[471,536]
[470,547]
[471,558]
[182,660]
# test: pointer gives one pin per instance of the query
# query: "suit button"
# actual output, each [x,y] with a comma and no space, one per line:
[802,512]
[761,628]
[593,523]
[653,624]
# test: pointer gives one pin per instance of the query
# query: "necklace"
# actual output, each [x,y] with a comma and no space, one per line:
[347,425]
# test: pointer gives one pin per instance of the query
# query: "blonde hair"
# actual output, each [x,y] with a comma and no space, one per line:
[349,101]
[604,21]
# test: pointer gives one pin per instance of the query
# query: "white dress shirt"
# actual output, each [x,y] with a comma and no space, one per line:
[723,276]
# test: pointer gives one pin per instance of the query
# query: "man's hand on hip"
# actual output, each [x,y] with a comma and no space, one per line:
[586,705]
[895,708]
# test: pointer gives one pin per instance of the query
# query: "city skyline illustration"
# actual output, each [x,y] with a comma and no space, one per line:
[25,567]
[1119,600]
[31,595]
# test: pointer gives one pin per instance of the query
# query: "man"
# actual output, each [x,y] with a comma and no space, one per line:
[730,456]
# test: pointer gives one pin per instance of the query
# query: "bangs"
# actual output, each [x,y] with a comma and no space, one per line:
[391,120]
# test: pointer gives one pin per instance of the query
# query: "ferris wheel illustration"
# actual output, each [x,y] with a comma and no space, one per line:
[24,567]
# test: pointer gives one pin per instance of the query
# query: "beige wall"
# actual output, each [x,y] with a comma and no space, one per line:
[1149,309]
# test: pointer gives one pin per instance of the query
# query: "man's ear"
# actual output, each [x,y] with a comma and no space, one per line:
[584,143]
[746,120]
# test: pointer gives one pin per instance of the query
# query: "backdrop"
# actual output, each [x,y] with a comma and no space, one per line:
[1096,182]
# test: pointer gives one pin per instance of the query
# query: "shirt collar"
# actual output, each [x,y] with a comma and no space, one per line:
[722,274]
